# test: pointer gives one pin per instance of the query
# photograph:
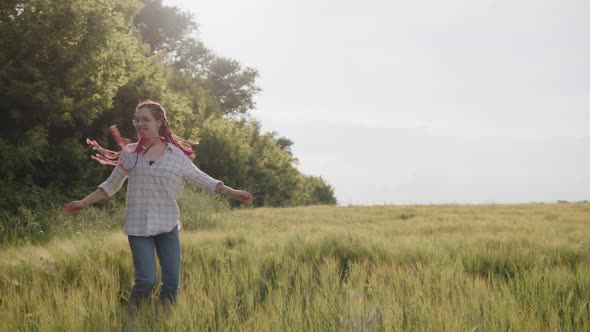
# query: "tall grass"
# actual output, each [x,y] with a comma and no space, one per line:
[420,268]
[29,225]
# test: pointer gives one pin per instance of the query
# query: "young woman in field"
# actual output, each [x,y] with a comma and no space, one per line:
[157,166]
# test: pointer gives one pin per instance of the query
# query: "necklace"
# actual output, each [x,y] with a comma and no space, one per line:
[145,149]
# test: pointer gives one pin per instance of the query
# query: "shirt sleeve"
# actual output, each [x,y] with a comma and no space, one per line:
[115,181]
[199,179]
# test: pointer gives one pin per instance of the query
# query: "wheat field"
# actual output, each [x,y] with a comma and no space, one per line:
[376,268]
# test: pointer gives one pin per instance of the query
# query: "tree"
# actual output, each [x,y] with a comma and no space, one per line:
[233,86]
[62,63]
[70,69]
[314,190]
[285,144]
[171,32]
[164,28]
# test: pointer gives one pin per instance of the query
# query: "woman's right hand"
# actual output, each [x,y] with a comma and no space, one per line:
[74,206]
[241,195]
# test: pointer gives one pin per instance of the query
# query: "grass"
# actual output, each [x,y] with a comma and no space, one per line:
[380,268]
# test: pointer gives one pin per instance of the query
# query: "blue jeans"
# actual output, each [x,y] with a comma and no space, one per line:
[167,246]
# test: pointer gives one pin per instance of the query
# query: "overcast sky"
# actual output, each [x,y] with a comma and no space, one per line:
[420,102]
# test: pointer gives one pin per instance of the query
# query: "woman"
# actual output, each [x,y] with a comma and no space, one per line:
[157,167]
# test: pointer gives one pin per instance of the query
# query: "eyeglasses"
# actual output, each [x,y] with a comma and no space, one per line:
[137,121]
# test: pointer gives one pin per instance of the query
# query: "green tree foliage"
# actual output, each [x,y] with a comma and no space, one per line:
[285,144]
[273,171]
[232,85]
[164,28]
[237,153]
[61,65]
[69,69]
[313,190]
[170,31]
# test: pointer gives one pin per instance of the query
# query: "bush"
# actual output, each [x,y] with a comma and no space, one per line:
[197,209]
[25,225]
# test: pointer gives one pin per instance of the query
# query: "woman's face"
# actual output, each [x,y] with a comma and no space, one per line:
[147,126]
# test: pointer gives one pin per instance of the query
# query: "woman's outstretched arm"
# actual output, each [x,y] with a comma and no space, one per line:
[199,179]
[106,189]
[239,195]
[75,206]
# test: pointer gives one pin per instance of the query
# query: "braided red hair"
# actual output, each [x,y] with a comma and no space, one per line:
[109,157]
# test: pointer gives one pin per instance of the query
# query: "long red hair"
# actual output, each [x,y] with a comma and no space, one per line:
[109,157]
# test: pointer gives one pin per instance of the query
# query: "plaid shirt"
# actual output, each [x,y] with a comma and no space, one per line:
[152,191]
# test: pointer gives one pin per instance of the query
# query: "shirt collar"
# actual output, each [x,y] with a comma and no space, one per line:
[173,148]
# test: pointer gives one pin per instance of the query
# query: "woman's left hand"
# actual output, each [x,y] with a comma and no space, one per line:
[242,196]
[74,206]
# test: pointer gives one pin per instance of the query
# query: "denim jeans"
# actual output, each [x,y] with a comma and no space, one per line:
[167,246]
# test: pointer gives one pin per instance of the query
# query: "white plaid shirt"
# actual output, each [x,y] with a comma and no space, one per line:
[152,191]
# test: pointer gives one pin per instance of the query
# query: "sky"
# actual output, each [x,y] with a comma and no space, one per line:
[420,102]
